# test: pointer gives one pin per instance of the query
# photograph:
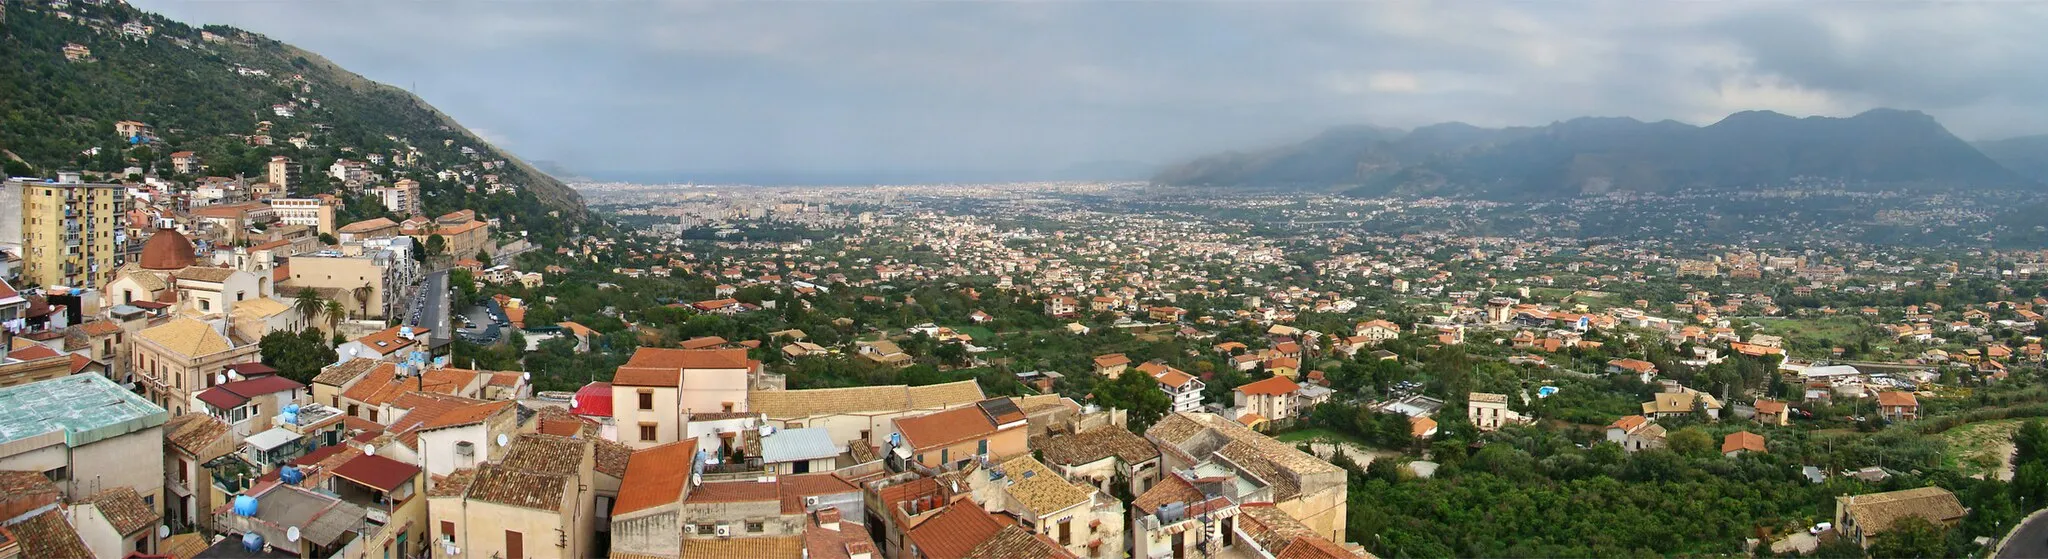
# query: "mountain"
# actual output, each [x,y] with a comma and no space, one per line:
[68,74]
[2026,155]
[1596,155]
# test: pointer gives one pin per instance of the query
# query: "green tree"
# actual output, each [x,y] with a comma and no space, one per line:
[333,314]
[296,356]
[308,303]
[1691,441]
[436,244]
[484,257]
[1911,537]
[1137,393]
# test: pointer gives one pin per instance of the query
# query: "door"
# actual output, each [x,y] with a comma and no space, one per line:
[514,548]
[1179,538]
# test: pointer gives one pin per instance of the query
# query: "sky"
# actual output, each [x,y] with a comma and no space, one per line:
[728,90]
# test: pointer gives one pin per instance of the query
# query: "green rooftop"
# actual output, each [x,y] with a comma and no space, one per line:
[85,407]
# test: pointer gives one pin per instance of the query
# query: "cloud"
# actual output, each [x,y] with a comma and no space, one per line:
[611,88]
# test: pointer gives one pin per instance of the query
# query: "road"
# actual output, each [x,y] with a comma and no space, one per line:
[430,308]
[2030,540]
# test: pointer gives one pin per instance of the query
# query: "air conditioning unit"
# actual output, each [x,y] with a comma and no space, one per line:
[811,501]
[465,449]
[725,530]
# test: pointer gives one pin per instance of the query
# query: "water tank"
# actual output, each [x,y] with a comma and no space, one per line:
[251,541]
[290,418]
[291,475]
[245,505]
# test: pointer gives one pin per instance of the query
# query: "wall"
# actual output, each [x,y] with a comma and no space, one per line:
[709,390]
[437,448]
[342,273]
[626,411]
[648,534]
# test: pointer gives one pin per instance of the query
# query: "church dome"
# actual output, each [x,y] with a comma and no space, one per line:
[167,250]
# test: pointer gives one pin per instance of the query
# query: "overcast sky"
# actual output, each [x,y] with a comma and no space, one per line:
[687,90]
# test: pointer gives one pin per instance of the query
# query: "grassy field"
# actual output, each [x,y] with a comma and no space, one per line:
[1981,449]
[1317,435]
[1816,333]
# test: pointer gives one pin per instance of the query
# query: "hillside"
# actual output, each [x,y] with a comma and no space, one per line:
[1595,155]
[2026,155]
[236,99]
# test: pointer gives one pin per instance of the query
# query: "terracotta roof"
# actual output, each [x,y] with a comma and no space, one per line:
[454,484]
[746,491]
[182,546]
[48,536]
[123,508]
[544,454]
[703,343]
[1897,398]
[744,548]
[783,404]
[1876,512]
[187,337]
[506,486]
[1111,360]
[32,353]
[367,225]
[1095,444]
[944,428]
[167,250]
[665,358]
[794,488]
[1770,407]
[466,415]
[953,533]
[207,274]
[612,457]
[385,341]
[194,432]
[378,472]
[1743,441]
[1629,423]
[99,328]
[338,375]
[655,476]
[1040,489]
[1015,542]
[647,376]
[1274,386]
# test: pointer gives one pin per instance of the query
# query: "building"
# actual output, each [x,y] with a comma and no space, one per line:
[116,522]
[374,273]
[1100,450]
[72,234]
[1489,412]
[402,197]
[990,429]
[1897,405]
[368,229]
[185,163]
[1740,442]
[1863,518]
[85,433]
[311,212]
[1303,487]
[1111,365]
[1683,402]
[658,390]
[326,524]
[861,416]
[461,232]
[1272,399]
[282,172]
[175,361]
[1773,412]
[539,501]
[1635,433]
[1182,388]
[197,447]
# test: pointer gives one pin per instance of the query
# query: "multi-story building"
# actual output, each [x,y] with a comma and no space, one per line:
[1305,488]
[657,391]
[86,433]
[375,272]
[69,232]
[402,197]
[1184,389]
[175,361]
[310,212]
[283,172]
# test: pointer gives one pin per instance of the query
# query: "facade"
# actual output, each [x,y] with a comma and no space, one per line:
[1182,388]
[1863,518]
[373,274]
[539,501]
[1898,405]
[990,429]
[176,360]
[1489,412]
[71,233]
[310,212]
[1307,489]
[858,416]
[282,172]
[657,391]
[86,433]
[193,444]
[402,197]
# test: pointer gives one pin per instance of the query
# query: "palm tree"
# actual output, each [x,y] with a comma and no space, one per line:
[334,310]
[363,299]
[309,303]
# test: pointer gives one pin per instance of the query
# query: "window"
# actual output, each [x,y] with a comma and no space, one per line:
[981,447]
[705,529]
[646,400]
[864,434]
[1067,531]
[514,547]
[728,407]
[373,414]
[447,531]
[647,431]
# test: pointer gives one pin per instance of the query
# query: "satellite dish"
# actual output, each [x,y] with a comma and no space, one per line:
[220,378]
[572,402]
[503,440]
[163,531]
[526,376]
[291,534]
[369,451]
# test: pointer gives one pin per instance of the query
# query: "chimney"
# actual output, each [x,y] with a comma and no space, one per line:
[828,518]
[860,550]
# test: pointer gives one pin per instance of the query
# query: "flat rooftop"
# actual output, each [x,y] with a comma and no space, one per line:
[85,407]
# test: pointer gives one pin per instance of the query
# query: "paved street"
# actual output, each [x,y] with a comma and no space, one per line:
[430,307]
[2031,541]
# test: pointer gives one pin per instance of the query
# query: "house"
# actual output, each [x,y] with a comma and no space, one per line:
[1644,370]
[116,522]
[1101,453]
[658,389]
[1302,487]
[1376,331]
[794,451]
[1111,365]
[1739,442]
[543,499]
[1167,314]
[1489,412]
[992,428]
[1773,412]
[248,405]
[326,524]
[1674,404]
[87,432]
[185,163]
[1863,518]
[1272,399]
[192,442]
[1896,405]
[1184,389]
[1062,306]
[885,352]
[177,359]
[1635,433]
[862,416]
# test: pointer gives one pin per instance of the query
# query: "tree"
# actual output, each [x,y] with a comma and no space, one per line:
[333,314]
[296,356]
[484,257]
[436,244]
[1911,537]
[1691,441]
[1137,393]
[309,303]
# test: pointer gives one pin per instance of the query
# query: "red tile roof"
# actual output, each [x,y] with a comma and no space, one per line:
[945,428]
[954,532]
[1744,441]
[655,476]
[665,358]
[1270,387]
[1897,398]
[379,472]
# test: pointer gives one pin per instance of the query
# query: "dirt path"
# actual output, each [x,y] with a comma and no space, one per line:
[1363,456]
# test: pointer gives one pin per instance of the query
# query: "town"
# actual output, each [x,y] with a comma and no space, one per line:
[274,310]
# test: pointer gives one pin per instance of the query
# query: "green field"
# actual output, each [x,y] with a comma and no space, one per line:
[1980,449]
[1815,334]
[1317,435]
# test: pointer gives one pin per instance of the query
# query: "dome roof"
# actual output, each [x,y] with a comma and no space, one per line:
[167,250]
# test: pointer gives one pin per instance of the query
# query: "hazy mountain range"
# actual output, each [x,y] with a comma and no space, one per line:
[1881,148]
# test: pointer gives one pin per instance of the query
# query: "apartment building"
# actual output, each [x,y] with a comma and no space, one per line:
[71,233]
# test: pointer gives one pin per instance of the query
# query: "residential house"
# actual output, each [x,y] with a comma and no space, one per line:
[1489,412]
[1111,365]
[1773,412]
[859,416]
[1864,518]
[1739,442]
[1305,488]
[990,429]
[1897,405]
[540,500]
[1260,402]
[85,433]
[658,389]
[1636,433]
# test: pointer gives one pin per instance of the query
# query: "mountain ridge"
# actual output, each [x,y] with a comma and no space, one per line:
[1595,155]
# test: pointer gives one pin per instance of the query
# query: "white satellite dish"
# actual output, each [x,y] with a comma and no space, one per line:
[503,440]
[291,534]
[572,402]
[369,451]
[163,531]
[220,378]
[526,376]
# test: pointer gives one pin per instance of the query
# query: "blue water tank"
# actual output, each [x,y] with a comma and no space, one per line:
[291,408]
[245,505]
[290,417]
[291,475]
[251,541]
